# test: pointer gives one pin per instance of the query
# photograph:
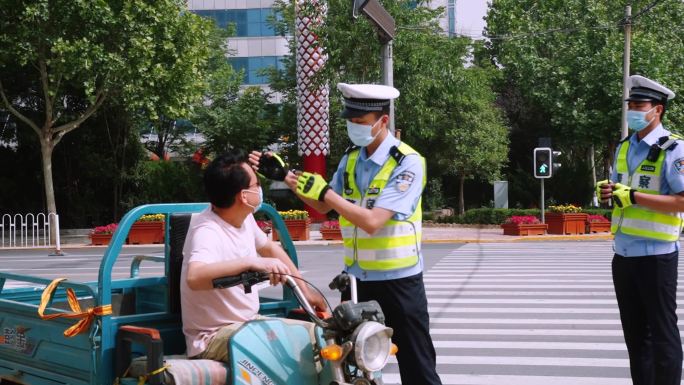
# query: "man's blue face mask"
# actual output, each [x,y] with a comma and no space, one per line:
[636,120]
[361,134]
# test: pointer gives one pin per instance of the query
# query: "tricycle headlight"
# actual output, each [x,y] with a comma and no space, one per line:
[372,343]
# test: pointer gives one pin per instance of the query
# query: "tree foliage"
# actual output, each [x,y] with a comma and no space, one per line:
[562,62]
[447,105]
[73,55]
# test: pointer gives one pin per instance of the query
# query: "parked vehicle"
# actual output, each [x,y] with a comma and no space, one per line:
[139,316]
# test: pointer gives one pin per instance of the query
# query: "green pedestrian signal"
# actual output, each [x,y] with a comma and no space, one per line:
[542,162]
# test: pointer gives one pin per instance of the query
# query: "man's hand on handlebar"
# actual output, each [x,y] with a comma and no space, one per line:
[277,269]
[315,299]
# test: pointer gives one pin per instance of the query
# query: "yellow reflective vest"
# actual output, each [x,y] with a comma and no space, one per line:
[397,244]
[638,220]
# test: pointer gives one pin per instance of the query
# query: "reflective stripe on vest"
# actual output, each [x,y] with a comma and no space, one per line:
[638,220]
[397,244]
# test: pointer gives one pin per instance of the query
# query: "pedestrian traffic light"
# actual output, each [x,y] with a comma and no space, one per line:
[543,162]
[555,165]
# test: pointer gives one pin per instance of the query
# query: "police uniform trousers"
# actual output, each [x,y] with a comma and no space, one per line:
[646,290]
[404,303]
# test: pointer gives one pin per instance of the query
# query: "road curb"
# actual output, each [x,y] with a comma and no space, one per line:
[524,239]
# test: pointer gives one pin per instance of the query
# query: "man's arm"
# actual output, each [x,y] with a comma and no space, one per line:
[664,203]
[200,275]
[273,251]
[291,181]
[369,220]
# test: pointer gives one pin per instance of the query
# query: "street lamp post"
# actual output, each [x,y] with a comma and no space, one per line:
[386,28]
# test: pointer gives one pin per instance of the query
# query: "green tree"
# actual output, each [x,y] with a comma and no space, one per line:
[60,60]
[563,58]
[232,116]
[447,105]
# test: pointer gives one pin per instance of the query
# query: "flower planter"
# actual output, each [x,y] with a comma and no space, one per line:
[331,234]
[100,239]
[566,223]
[298,229]
[524,229]
[143,232]
[598,227]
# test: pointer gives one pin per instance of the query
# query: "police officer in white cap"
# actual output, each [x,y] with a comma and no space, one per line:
[377,192]
[647,189]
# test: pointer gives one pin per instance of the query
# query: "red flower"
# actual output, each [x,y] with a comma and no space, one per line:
[265,226]
[330,225]
[597,218]
[522,219]
[108,229]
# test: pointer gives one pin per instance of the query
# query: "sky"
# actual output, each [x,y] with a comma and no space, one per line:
[469,14]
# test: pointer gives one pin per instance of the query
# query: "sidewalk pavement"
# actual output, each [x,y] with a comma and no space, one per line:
[476,234]
[455,234]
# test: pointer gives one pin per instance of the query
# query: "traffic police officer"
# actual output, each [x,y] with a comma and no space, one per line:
[377,191]
[648,196]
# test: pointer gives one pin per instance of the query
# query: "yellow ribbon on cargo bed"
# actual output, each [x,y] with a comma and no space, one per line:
[85,316]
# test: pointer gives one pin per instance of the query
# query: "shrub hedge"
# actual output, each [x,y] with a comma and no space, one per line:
[491,216]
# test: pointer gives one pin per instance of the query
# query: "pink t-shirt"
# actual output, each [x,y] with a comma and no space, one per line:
[210,239]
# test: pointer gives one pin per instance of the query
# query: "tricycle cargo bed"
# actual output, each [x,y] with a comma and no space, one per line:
[36,351]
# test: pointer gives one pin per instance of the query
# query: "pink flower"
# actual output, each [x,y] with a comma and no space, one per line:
[265,226]
[597,218]
[108,229]
[330,225]
[522,219]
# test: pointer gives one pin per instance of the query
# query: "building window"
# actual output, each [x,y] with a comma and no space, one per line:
[451,15]
[254,67]
[252,22]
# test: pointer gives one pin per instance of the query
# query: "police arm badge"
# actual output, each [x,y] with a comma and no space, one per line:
[405,180]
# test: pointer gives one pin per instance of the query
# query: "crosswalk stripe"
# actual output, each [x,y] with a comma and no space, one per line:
[474,379]
[528,332]
[530,345]
[531,361]
[526,314]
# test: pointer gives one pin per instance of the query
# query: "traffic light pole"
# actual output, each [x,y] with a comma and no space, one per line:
[388,78]
[542,201]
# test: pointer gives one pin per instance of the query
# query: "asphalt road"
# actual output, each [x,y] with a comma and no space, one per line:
[535,313]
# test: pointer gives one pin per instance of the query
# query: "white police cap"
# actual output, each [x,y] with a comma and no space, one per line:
[360,99]
[643,89]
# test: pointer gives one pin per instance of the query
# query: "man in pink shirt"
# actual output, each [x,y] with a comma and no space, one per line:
[225,240]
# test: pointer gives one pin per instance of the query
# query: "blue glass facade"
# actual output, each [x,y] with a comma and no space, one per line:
[451,14]
[253,67]
[252,22]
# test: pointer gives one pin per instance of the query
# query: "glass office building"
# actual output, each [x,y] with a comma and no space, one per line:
[255,45]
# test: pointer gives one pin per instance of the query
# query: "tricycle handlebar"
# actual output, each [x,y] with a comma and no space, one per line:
[251,278]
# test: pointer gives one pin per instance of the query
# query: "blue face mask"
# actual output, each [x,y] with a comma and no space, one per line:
[360,134]
[636,120]
[261,199]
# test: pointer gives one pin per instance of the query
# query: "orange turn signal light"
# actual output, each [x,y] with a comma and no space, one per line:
[332,352]
[394,349]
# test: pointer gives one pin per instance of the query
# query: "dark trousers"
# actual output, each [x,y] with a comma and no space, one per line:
[404,304]
[646,290]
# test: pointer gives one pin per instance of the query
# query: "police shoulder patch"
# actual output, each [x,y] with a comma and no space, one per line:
[405,180]
[679,165]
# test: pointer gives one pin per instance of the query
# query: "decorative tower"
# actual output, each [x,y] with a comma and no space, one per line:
[313,136]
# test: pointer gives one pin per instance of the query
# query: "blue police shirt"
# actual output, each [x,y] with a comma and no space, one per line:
[402,203]
[672,182]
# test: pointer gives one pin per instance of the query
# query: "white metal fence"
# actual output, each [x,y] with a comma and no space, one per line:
[29,230]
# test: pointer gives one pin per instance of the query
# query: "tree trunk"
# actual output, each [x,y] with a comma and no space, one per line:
[592,162]
[461,202]
[46,149]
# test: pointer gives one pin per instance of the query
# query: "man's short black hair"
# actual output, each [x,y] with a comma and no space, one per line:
[225,177]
